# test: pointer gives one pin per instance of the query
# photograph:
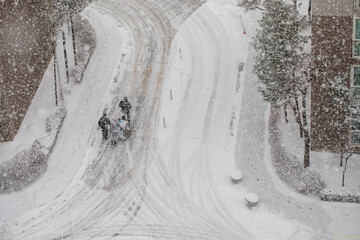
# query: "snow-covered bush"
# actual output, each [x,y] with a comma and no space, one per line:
[85,44]
[287,166]
[19,172]
[28,165]
[340,196]
[53,124]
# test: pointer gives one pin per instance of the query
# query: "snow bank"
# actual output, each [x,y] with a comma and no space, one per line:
[287,166]
[29,164]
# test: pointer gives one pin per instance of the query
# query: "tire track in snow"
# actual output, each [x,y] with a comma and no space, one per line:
[210,29]
[220,43]
[156,211]
[70,205]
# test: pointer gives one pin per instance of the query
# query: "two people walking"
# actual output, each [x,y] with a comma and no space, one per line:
[119,128]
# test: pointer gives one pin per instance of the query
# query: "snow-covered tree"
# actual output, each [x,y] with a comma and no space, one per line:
[63,11]
[281,64]
[279,47]
[341,102]
[75,7]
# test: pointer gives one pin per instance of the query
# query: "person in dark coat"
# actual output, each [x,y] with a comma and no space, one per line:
[104,123]
[125,107]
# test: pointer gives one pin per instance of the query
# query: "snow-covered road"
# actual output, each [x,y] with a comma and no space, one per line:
[197,115]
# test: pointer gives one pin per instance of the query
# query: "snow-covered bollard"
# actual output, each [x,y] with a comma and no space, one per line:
[236,176]
[251,199]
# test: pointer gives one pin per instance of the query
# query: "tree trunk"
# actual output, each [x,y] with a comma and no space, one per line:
[341,157]
[345,166]
[53,43]
[343,175]
[296,111]
[55,84]
[306,149]
[61,95]
[306,132]
[55,63]
[65,58]
[285,112]
[73,39]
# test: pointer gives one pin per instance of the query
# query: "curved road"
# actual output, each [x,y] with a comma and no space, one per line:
[105,197]
[170,183]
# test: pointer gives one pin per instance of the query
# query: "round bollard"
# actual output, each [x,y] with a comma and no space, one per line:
[251,199]
[236,176]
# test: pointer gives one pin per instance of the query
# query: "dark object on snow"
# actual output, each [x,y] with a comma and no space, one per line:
[125,107]
[114,133]
[119,130]
[104,123]
[125,127]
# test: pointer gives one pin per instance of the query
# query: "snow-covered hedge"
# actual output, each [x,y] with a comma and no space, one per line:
[18,173]
[287,166]
[340,196]
[53,124]
[85,43]
[28,165]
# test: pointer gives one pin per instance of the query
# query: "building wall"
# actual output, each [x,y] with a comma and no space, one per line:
[332,33]
[332,7]
[25,52]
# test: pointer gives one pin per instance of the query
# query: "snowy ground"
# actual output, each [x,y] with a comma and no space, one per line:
[197,117]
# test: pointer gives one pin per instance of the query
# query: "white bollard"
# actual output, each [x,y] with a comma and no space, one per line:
[236,176]
[251,199]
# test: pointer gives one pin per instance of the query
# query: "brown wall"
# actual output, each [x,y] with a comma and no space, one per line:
[333,7]
[25,52]
[332,56]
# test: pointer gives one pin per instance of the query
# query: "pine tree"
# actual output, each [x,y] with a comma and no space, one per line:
[279,46]
[281,64]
